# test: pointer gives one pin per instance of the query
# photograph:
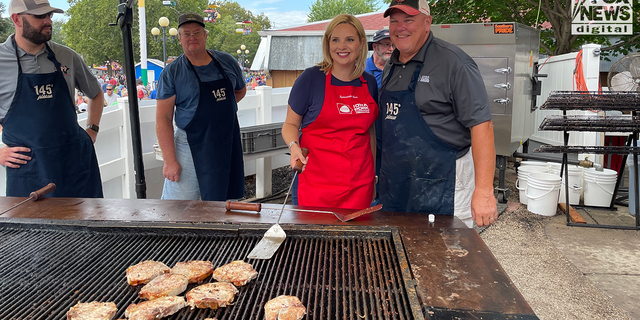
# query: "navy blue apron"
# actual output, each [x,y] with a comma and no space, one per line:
[418,169]
[214,138]
[42,117]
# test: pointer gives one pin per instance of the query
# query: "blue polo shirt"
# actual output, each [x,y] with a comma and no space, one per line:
[371,68]
[307,94]
[178,79]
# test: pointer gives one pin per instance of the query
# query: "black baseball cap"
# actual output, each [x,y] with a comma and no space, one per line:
[410,7]
[379,35]
[190,17]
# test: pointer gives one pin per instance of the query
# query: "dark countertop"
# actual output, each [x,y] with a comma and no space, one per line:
[456,274]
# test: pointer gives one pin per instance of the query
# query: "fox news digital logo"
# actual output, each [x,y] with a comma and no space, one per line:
[602,17]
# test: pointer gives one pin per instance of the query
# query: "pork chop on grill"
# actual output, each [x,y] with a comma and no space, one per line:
[155,309]
[237,272]
[163,286]
[211,295]
[195,271]
[145,271]
[92,311]
[284,308]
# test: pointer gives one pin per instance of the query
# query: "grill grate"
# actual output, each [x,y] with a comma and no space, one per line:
[586,149]
[591,123]
[584,100]
[337,273]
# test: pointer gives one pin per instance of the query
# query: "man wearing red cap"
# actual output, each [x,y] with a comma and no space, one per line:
[438,153]
[38,114]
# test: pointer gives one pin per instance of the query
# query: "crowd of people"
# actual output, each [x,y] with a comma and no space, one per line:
[115,87]
[254,79]
[416,124]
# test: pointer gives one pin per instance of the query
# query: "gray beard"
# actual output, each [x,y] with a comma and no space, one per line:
[32,34]
[382,56]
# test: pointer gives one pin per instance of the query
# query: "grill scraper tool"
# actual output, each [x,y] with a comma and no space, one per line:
[274,237]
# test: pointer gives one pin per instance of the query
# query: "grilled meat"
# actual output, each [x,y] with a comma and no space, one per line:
[145,271]
[284,308]
[211,295]
[163,286]
[92,311]
[155,309]
[236,272]
[195,271]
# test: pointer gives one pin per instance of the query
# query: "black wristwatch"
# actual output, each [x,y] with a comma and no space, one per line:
[93,127]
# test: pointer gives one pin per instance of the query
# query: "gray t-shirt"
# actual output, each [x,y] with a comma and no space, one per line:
[450,92]
[75,71]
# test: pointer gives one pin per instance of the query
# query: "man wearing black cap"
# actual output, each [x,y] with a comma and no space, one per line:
[203,156]
[382,49]
[438,153]
[37,110]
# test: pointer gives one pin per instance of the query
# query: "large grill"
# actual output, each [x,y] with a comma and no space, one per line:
[337,272]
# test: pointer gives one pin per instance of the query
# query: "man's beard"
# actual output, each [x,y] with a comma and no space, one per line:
[382,56]
[34,35]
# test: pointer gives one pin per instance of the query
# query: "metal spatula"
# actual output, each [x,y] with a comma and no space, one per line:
[273,238]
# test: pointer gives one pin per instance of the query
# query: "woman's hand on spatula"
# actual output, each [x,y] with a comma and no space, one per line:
[296,153]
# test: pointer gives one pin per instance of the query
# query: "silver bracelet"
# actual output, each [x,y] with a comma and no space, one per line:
[292,143]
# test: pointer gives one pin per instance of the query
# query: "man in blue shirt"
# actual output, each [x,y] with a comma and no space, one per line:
[382,49]
[203,156]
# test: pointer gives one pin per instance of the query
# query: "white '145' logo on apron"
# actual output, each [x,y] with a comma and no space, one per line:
[392,110]
[44,91]
[219,94]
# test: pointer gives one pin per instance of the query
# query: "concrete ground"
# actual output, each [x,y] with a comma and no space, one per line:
[567,272]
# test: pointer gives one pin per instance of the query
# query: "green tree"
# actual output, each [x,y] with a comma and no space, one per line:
[6,26]
[554,41]
[58,35]
[327,9]
[87,30]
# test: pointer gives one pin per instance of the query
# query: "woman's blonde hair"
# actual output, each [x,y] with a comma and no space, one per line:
[327,61]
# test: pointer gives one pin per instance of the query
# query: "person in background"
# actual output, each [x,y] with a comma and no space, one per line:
[110,99]
[382,49]
[335,105]
[125,92]
[203,156]
[44,142]
[438,152]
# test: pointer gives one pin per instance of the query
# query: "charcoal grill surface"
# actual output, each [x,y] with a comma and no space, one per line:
[337,272]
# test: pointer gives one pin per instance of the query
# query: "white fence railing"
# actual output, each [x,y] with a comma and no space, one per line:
[115,154]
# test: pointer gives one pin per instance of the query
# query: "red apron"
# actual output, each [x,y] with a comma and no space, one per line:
[340,170]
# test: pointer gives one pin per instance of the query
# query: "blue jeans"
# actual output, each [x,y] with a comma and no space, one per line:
[187,187]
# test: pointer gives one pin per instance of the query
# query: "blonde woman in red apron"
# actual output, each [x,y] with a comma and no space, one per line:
[335,106]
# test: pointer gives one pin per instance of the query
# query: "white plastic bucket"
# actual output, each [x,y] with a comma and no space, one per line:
[521,181]
[533,163]
[542,193]
[598,187]
[575,184]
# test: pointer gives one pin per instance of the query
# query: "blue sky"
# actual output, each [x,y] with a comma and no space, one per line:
[284,13]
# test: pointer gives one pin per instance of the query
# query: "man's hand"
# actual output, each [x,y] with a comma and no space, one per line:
[10,157]
[172,170]
[92,134]
[484,210]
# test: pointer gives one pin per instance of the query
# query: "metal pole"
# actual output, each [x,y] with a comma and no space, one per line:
[125,15]
[164,46]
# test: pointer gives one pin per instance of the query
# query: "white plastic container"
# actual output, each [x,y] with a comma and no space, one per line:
[599,187]
[575,184]
[521,181]
[542,193]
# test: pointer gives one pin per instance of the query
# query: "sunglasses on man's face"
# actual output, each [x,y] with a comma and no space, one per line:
[39,16]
